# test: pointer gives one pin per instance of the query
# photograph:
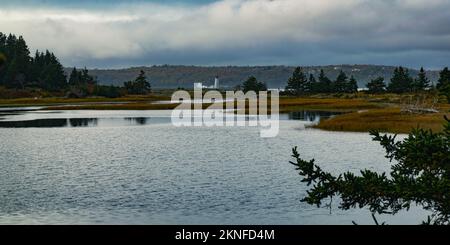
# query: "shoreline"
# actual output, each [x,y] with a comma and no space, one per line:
[359,114]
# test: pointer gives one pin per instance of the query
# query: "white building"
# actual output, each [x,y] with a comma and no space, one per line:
[198,85]
[216,83]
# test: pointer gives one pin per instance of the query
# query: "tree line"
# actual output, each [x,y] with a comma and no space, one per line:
[299,84]
[82,84]
[19,70]
[401,82]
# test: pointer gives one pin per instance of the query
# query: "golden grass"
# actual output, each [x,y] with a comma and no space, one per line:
[364,112]
[55,100]
[390,120]
[329,104]
[124,106]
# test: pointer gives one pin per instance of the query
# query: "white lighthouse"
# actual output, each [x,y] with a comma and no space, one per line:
[216,82]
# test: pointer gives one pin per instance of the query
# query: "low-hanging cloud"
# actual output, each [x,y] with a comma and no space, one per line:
[240,32]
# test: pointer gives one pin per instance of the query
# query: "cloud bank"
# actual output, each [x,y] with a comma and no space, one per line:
[239,32]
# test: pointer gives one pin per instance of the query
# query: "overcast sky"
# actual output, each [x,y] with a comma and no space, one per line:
[117,33]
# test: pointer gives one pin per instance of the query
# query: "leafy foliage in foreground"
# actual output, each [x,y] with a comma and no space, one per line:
[421,176]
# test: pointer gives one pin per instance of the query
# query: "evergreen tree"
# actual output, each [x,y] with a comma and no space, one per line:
[261,86]
[340,85]
[312,83]
[298,83]
[139,86]
[252,84]
[420,176]
[401,82]
[85,78]
[377,86]
[142,82]
[421,82]
[325,85]
[443,84]
[16,52]
[75,77]
[53,76]
[81,83]
[352,86]
[444,78]
[37,66]
[20,70]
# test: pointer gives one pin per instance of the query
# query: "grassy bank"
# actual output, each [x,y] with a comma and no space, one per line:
[371,112]
[390,120]
[288,104]
[67,101]
[120,106]
[362,112]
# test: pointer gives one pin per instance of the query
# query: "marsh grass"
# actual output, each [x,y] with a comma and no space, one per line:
[62,101]
[362,112]
[328,104]
[124,106]
[390,120]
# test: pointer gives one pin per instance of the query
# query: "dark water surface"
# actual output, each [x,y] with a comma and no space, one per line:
[134,167]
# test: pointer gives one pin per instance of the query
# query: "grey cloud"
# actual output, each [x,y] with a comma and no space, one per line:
[408,32]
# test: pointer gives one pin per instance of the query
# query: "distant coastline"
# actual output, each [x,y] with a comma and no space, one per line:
[184,76]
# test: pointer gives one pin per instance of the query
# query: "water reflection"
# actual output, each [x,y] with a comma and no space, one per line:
[50,123]
[75,122]
[9,119]
[138,120]
[83,122]
[226,176]
[311,116]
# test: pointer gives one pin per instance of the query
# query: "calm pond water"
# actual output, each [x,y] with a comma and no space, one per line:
[134,167]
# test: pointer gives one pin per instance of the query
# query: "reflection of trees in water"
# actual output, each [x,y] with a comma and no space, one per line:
[310,116]
[82,122]
[50,123]
[138,120]
[38,123]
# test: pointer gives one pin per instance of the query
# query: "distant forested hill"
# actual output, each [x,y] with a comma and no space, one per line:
[168,76]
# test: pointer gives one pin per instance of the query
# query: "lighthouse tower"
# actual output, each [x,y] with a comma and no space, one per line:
[216,82]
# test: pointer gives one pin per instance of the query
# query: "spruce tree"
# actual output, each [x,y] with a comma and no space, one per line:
[252,84]
[325,85]
[444,78]
[419,176]
[421,82]
[377,86]
[352,86]
[443,84]
[139,86]
[142,83]
[74,78]
[20,70]
[312,83]
[340,85]
[298,83]
[401,82]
